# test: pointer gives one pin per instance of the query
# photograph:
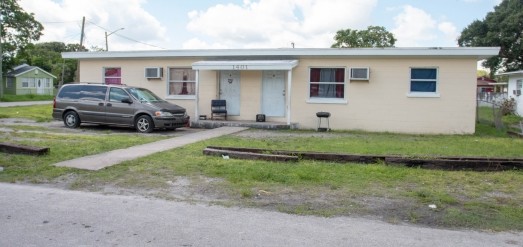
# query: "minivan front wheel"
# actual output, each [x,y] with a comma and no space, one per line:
[71,120]
[144,124]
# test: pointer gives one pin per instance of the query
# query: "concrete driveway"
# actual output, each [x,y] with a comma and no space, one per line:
[36,216]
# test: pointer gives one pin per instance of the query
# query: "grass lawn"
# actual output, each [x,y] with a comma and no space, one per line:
[39,113]
[463,199]
[26,97]
[486,115]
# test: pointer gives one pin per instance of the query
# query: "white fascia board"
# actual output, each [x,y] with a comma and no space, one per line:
[519,72]
[246,65]
[33,69]
[471,52]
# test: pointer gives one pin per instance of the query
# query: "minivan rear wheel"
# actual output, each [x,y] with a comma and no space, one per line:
[144,124]
[71,120]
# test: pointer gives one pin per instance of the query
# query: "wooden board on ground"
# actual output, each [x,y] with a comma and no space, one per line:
[20,149]
[441,163]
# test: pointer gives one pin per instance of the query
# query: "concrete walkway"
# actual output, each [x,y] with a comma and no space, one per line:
[99,161]
[24,103]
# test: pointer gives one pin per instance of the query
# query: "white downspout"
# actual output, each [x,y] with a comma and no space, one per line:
[197,99]
[289,93]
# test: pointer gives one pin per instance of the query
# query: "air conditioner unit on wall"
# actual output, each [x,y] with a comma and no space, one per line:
[153,72]
[516,92]
[359,74]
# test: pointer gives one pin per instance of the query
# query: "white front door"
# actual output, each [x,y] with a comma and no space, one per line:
[230,91]
[273,93]
[40,84]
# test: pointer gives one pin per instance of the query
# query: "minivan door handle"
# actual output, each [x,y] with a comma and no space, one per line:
[109,104]
[101,104]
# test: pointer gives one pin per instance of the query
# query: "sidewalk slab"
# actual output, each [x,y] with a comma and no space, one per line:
[24,103]
[102,160]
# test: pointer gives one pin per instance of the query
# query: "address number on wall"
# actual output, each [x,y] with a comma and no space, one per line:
[239,67]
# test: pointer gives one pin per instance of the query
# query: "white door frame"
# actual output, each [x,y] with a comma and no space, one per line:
[40,85]
[233,78]
[273,97]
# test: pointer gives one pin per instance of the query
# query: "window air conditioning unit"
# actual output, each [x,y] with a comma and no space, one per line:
[359,74]
[517,92]
[153,73]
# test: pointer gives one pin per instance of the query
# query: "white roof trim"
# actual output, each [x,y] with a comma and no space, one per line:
[246,65]
[33,69]
[294,53]
[519,72]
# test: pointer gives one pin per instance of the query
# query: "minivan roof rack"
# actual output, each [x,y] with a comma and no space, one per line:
[97,83]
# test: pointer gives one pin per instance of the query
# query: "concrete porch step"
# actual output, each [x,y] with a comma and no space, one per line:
[211,124]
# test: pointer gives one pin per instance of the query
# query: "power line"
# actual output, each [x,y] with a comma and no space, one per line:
[125,37]
[139,41]
[58,22]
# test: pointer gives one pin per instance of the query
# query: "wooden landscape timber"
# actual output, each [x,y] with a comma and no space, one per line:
[440,163]
[247,155]
[19,149]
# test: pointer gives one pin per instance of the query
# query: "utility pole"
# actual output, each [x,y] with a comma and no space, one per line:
[77,72]
[1,59]
[61,83]
[107,35]
[82,34]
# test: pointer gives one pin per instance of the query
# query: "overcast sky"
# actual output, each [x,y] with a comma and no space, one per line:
[203,24]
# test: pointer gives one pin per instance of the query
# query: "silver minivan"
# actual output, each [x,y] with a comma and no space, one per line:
[116,105]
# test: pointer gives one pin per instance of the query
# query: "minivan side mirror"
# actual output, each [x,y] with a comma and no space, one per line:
[127,100]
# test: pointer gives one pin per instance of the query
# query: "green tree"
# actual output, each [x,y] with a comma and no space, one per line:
[18,28]
[482,73]
[504,28]
[374,36]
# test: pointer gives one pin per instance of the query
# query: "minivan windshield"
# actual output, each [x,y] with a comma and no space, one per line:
[144,95]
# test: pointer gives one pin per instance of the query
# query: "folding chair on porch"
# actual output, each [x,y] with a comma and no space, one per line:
[218,107]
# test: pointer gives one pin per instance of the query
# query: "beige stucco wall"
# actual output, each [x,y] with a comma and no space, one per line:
[380,104]
[133,75]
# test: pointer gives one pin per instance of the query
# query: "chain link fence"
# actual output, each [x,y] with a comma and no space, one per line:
[498,110]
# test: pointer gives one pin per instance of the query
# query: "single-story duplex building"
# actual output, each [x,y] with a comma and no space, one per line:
[25,79]
[515,87]
[405,90]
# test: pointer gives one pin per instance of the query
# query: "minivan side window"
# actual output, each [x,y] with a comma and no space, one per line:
[83,92]
[117,94]
[94,93]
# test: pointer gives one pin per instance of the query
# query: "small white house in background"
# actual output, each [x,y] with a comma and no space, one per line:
[407,90]
[515,88]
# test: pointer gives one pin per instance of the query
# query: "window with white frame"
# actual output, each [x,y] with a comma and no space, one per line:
[327,83]
[423,80]
[47,82]
[25,82]
[182,81]
[28,82]
[519,84]
[112,75]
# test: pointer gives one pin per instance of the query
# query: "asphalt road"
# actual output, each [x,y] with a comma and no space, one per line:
[37,216]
